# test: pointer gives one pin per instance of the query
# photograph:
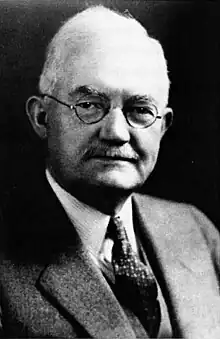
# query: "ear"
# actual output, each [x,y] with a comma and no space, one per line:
[37,115]
[167,119]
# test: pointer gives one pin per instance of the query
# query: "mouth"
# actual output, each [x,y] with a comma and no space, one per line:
[114,158]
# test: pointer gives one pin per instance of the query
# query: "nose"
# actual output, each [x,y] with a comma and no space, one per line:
[115,128]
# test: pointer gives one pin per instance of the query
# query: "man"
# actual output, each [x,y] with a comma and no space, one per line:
[101,115]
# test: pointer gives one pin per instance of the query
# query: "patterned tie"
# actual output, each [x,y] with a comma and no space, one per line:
[135,284]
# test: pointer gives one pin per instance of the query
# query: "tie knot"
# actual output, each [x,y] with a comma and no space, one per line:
[117,233]
[116,229]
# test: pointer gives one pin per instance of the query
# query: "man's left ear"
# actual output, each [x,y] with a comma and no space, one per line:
[167,119]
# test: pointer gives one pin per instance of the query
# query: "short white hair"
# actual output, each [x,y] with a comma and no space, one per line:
[75,35]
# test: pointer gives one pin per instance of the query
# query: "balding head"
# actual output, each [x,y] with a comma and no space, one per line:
[99,35]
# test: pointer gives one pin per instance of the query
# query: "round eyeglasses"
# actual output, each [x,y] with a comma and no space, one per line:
[92,110]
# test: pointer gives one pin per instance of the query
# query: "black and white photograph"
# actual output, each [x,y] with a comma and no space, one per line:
[109,176]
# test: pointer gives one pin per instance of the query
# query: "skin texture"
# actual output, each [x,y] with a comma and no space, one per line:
[82,157]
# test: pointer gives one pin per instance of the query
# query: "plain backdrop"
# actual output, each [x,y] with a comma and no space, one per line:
[188,165]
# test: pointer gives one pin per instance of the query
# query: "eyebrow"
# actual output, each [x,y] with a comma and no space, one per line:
[138,97]
[88,90]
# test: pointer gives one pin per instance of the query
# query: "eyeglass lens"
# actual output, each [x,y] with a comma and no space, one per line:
[93,109]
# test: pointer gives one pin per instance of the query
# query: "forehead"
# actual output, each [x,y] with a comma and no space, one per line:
[117,62]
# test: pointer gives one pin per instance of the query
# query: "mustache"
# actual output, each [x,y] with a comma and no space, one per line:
[123,152]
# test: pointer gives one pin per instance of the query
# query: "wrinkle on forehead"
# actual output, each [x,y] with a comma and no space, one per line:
[113,73]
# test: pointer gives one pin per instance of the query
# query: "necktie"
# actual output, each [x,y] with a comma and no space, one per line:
[135,284]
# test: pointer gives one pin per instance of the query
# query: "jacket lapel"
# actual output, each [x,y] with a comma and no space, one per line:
[77,285]
[183,268]
[72,281]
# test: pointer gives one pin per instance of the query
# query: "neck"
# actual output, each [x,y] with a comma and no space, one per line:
[107,200]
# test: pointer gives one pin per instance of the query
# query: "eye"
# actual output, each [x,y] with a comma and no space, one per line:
[143,110]
[85,105]
[140,110]
[90,105]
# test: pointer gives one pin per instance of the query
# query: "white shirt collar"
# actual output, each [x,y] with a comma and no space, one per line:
[90,223]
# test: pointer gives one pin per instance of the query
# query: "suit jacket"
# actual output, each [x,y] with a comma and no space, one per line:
[50,287]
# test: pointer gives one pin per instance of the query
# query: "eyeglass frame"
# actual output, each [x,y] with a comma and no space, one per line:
[73,107]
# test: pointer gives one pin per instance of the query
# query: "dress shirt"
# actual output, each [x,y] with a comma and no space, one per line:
[91,224]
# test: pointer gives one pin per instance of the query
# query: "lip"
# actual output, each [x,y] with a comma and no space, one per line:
[116,158]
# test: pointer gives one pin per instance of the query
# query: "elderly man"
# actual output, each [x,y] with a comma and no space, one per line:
[83,255]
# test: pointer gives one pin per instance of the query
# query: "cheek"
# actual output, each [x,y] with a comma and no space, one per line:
[149,145]
[68,140]
[64,137]
[66,146]
[149,142]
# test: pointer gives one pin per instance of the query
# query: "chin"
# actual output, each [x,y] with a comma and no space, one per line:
[119,181]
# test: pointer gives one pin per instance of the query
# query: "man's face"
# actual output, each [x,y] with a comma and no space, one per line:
[109,153]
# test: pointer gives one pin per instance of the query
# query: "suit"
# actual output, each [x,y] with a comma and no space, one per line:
[50,287]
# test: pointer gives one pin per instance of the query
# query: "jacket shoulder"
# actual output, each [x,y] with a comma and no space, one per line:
[180,219]
[165,209]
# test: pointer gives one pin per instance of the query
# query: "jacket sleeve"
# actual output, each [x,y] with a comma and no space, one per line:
[212,238]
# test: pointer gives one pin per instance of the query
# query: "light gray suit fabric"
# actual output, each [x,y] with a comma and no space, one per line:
[66,295]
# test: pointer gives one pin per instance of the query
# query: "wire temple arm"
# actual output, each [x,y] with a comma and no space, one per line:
[57,100]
